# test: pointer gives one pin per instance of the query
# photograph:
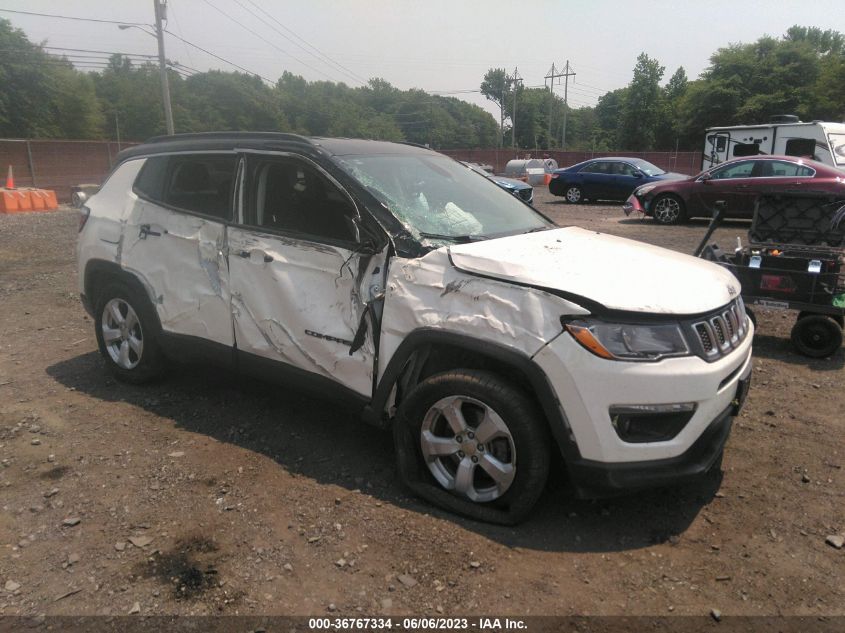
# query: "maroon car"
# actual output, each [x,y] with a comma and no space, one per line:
[738,182]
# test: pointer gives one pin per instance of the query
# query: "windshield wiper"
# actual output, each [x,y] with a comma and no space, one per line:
[460,239]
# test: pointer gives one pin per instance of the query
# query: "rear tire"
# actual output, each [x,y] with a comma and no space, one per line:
[127,334]
[474,444]
[573,194]
[836,317]
[816,336]
[668,209]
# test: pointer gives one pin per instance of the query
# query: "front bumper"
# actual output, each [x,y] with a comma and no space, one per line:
[592,479]
[633,204]
[598,460]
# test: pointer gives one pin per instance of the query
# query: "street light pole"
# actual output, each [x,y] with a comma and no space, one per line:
[160,9]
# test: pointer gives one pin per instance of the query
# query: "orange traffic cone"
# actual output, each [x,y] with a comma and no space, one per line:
[10,179]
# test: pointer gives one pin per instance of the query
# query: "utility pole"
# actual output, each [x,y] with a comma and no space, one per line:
[117,129]
[161,14]
[501,138]
[566,74]
[553,74]
[516,79]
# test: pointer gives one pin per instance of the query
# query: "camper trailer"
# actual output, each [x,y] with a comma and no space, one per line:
[784,134]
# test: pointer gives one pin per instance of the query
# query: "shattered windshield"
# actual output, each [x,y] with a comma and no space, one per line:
[438,198]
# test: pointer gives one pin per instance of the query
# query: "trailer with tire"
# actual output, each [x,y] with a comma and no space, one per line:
[793,261]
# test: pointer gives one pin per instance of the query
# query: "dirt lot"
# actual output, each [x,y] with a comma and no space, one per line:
[208,493]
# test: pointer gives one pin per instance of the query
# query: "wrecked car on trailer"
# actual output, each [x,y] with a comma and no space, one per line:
[491,341]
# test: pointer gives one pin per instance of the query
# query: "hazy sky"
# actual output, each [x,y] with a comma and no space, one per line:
[434,45]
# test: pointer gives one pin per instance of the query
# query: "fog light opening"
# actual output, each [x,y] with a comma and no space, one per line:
[642,423]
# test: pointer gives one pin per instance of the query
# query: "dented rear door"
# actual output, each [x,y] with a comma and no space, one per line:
[174,241]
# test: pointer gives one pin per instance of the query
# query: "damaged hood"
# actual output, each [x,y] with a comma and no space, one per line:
[618,273]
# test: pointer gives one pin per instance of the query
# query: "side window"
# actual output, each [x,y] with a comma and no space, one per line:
[801,147]
[600,167]
[746,149]
[289,195]
[150,182]
[200,183]
[736,170]
[783,169]
[624,169]
[718,142]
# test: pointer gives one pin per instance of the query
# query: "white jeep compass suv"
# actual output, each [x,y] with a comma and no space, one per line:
[490,340]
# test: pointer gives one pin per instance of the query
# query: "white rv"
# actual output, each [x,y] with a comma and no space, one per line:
[784,134]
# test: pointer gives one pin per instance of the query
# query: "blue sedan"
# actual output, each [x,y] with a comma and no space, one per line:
[608,178]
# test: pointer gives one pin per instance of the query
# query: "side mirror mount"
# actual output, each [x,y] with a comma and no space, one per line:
[705,178]
[638,174]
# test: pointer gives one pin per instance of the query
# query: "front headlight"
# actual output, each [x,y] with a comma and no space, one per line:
[644,189]
[625,341]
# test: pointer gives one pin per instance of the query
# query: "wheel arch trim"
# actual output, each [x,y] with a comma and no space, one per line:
[540,386]
[113,271]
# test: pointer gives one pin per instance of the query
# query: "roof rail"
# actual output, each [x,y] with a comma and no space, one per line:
[196,136]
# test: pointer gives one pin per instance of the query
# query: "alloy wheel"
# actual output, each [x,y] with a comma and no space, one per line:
[468,448]
[122,334]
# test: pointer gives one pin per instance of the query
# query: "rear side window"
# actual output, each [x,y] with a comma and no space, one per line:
[198,183]
[783,169]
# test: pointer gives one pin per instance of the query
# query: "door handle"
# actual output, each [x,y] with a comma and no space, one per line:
[145,231]
[248,255]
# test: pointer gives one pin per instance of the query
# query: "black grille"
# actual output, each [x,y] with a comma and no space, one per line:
[704,336]
[722,331]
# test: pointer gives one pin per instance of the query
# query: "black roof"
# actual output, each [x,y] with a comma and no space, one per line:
[211,141]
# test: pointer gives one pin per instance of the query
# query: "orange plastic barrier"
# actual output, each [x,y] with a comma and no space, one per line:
[36,200]
[21,200]
[15,201]
[8,201]
[547,178]
[50,199]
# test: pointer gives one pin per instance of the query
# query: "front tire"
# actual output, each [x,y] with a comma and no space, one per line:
[474,444]
[816,336]
[668,209]
[127,334]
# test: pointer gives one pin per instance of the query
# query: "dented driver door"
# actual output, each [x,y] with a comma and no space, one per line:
[300,282]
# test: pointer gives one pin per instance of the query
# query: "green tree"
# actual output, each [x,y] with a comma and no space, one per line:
[642,107]
[43,95]
[496,86]
[668,131]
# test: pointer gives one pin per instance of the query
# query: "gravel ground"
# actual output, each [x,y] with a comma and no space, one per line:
[209,493]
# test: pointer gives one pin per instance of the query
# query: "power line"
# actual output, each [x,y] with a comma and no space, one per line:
[226,61]
[85,50]
[320,53]
[69,17]
[172,10]
[258,35]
